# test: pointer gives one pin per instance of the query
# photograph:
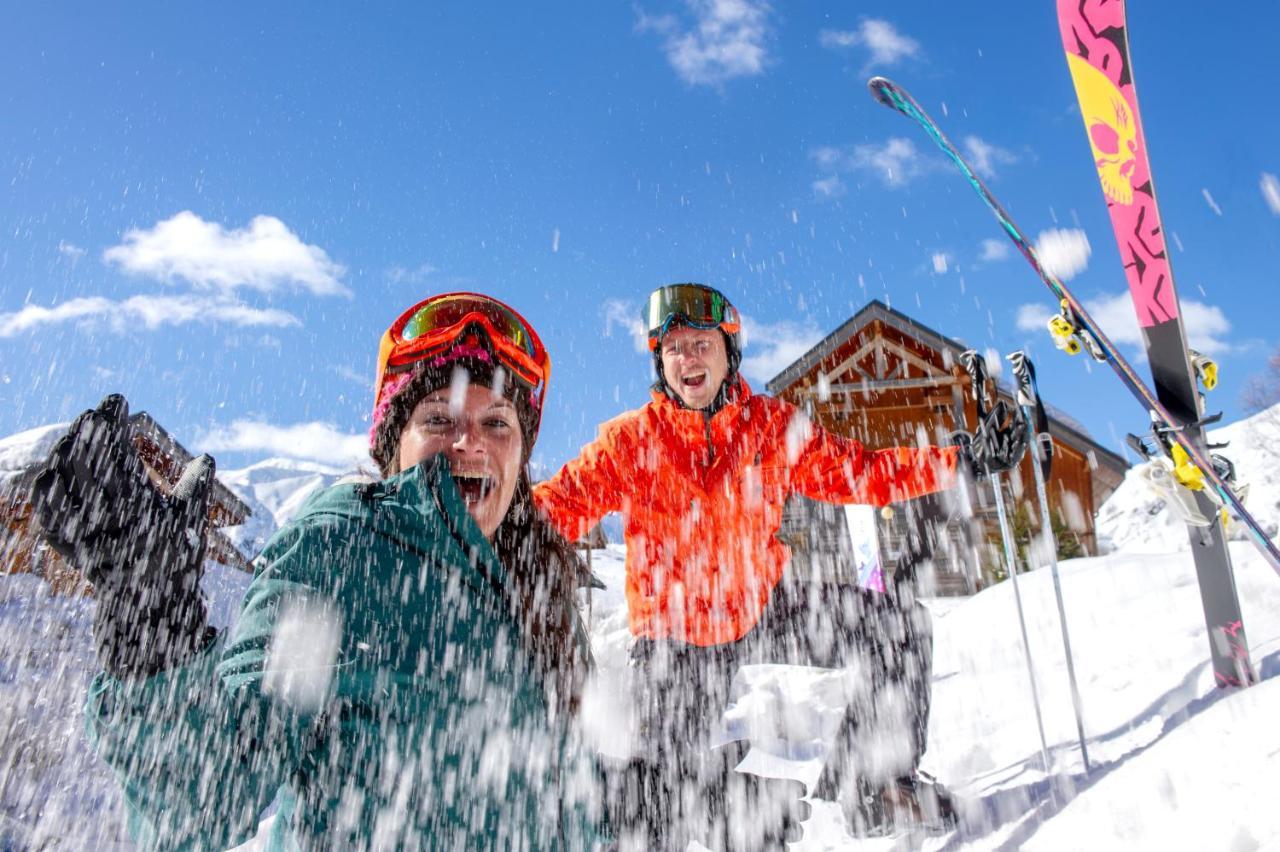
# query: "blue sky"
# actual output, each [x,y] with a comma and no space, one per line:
[217,211]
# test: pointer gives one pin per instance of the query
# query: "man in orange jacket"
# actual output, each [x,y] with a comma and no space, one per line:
[700,475]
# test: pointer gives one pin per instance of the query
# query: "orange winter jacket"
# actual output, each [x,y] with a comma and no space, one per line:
[702,500]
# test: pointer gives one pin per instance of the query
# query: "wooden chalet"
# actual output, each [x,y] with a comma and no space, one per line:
[22,550]
[887,380]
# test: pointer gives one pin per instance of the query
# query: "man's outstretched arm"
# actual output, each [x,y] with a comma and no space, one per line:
[836,469]
[586,489]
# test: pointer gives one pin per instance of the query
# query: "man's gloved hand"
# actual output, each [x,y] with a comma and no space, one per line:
[998,444]
[655,805]
[143,551]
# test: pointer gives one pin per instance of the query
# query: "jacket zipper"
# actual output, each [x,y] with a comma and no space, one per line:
[711,447]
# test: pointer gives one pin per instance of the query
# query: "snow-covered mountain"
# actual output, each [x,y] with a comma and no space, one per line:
[1135,519]
[274,489]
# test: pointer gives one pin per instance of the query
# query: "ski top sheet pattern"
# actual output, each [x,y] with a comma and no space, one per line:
[1095,38]
[1230,652]
[1097,47]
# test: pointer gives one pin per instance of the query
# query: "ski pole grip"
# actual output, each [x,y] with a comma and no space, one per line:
[1023,373]
[976,366]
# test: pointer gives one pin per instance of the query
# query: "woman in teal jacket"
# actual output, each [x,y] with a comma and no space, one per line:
[408,655]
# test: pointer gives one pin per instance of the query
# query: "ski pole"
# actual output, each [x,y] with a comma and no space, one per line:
[1042,459]
[977,369]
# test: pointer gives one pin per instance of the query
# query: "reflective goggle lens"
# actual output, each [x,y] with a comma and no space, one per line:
[691,304]
[451,310]
[700,305]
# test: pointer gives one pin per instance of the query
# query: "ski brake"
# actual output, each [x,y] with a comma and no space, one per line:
[1170,473]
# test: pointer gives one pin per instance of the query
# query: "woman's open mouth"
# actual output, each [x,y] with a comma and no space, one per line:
[474,487]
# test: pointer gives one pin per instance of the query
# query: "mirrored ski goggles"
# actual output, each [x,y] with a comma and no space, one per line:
[433,327]
[688,304]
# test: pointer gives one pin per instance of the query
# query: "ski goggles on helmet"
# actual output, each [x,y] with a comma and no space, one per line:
[693,305]
[430,329]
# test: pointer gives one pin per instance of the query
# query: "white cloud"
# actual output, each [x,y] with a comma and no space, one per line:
[941,260]
[149,312]
[828,187]
[886,44]
[984,157]
[32,316]
[1115,316]
[265,256]
[828,156]
[1063,251]
[1208,199]
[353,375]
[70,250]
[1033,316]
[895,161]
[769,348]
[1207,326]
[411,275]
[726,40]
[626,316]
[315,441]
[994,250]
[1270,186]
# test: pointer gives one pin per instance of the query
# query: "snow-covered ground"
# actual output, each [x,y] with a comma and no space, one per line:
[1176,763]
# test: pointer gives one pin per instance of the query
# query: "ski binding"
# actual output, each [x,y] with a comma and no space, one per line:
[1071,336]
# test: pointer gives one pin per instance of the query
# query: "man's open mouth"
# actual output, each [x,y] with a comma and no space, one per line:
[474,487]
[694,380]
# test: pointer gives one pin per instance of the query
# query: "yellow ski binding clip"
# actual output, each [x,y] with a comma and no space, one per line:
[1187,474]
[1063,331]
[1206,369]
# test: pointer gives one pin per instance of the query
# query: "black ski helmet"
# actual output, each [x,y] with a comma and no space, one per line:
[694,306]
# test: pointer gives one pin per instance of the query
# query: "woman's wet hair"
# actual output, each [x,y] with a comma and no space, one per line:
[547,572]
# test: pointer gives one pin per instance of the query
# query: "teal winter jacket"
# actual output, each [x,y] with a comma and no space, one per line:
[377,686]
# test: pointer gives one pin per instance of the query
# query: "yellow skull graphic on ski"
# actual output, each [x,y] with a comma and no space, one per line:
[1113,135]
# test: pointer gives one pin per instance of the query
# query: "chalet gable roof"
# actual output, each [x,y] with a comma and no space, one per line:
[872,311]
[1061,424]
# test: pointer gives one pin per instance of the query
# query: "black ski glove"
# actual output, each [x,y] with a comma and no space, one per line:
[654,805]
[143,551]
[997,445]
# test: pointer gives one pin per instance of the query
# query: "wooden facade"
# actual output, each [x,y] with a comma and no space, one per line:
[22,551]
[887,380]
